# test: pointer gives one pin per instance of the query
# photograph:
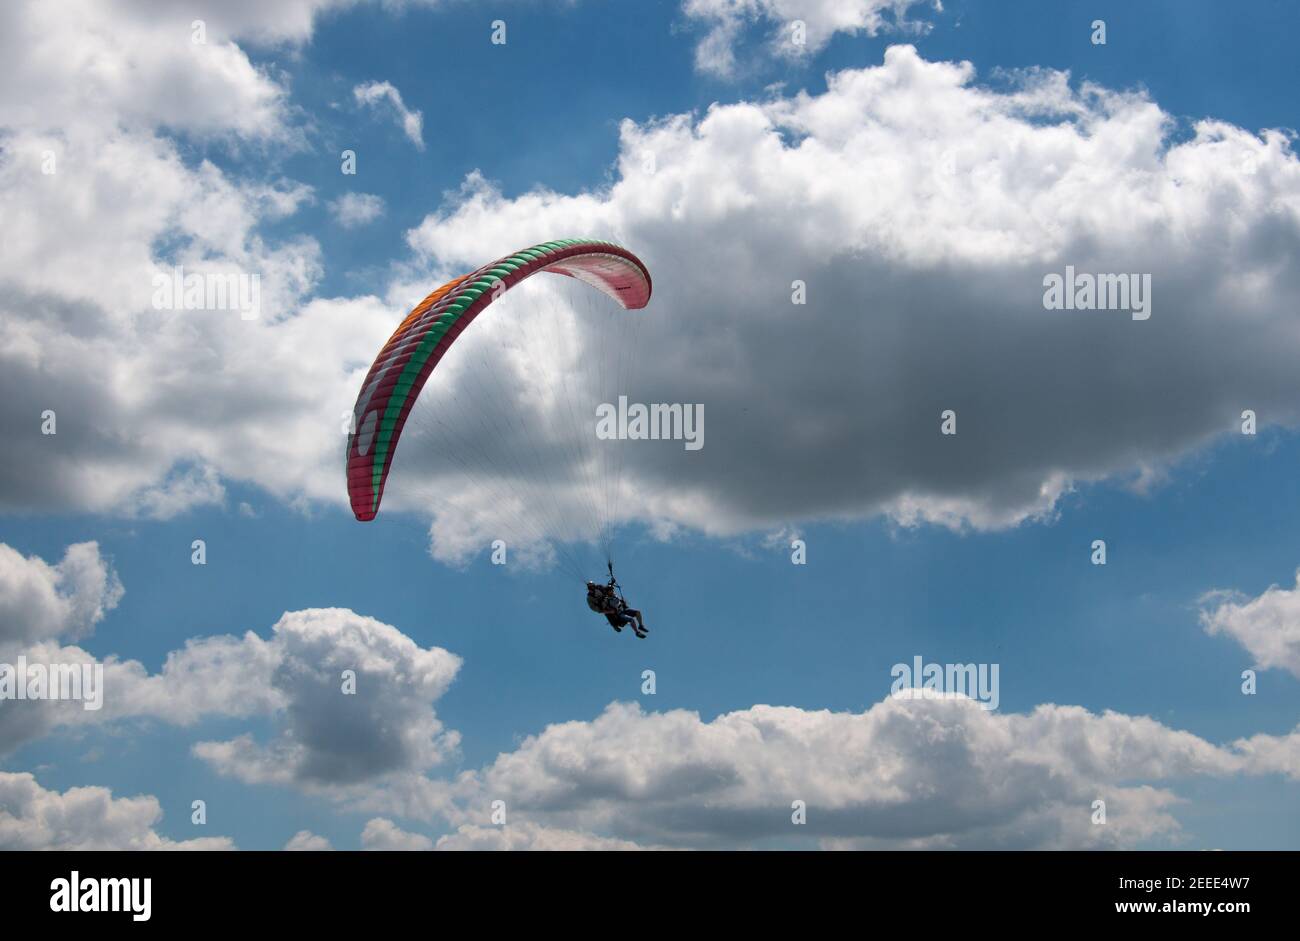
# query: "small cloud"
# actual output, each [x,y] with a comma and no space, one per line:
[383,95]
[41,602]
[1268,626]
[530,836]
[355,209]
[780,539]
[305,840]
[179,492]
[796,29]
[383,834]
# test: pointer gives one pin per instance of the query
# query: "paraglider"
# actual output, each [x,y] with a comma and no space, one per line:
[405,363]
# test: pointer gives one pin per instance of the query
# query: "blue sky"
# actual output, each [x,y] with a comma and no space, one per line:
[981,573]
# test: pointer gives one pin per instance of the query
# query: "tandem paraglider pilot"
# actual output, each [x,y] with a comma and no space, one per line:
[608,600]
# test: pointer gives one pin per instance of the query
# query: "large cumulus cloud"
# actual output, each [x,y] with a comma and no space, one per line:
[328,740]
[923,210]
[902,774]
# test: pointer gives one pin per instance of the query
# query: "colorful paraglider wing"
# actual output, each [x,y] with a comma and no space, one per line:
[404,364]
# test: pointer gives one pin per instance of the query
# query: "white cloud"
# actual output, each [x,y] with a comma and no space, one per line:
[1268,626]
[121,65]
[213,676]
[529,836]
[902,774]
[1272,754]
[41,602]
[382,834]
[922,211]
[356,209]
[385,97]
[44,606]
[371,749]
[326,740]
[727,20]
[336,743]
[141,408]
[305,840]
[83,818]
[180,492]
[143,417]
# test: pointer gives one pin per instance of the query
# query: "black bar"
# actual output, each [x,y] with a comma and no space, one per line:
[655,890]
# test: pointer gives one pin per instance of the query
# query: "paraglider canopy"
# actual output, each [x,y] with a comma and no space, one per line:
[406,361]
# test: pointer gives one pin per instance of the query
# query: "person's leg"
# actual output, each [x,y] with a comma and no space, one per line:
[614,622]
[633,616]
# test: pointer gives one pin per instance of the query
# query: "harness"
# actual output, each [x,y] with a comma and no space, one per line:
[615,595]
[611,594]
